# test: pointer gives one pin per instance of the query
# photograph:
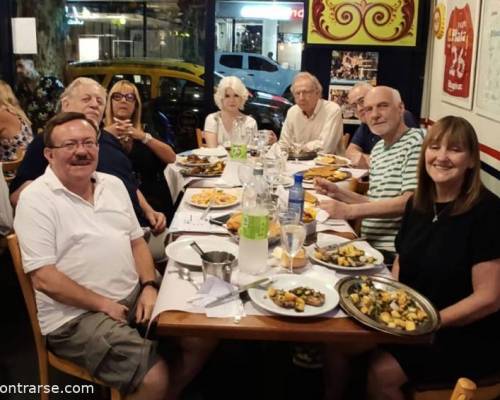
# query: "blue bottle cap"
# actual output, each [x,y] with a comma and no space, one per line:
[298,178]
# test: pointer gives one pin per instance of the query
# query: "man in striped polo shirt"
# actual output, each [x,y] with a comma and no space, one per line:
[393,175]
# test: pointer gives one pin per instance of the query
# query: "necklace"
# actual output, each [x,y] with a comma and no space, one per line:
[436,213]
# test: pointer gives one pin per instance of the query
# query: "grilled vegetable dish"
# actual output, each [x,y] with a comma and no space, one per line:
[345,256]
[207,170]
[296,298]
[330,173]
[396,308]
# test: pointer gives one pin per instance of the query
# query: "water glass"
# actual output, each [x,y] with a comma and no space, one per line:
[271,171]
[292,239]
[245,173]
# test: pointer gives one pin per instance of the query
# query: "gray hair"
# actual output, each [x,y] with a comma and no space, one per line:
[231,82]
[68,92]
[362,85]
[315,82]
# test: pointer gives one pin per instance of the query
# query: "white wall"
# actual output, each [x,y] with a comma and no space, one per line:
[487,130]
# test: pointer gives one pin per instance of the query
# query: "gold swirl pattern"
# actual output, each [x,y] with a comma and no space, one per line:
[378,22]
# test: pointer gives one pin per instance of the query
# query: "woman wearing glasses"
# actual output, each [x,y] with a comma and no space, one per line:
[148,154]
[230,96]
[15,127]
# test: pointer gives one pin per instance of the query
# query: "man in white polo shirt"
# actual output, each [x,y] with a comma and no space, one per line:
[91,269]
[393,173]
[312,123]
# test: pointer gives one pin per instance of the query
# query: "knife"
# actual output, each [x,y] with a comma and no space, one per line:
[234,293]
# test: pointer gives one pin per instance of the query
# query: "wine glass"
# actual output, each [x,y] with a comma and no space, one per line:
[271,171]
[283,152]
[292,239]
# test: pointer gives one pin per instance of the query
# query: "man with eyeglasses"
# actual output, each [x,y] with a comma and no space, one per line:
[363,139]
[88,97]
[94,277]
[312,123]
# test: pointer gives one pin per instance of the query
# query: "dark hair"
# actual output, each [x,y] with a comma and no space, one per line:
[60,119]
[455,130]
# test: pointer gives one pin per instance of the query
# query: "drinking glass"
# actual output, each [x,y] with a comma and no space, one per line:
[245,173]
[271,171]
[292,239]
[283,155]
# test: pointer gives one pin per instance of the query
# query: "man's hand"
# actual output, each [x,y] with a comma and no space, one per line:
[157,220]
[325,187]
[337,209]
[145,304]
[116,311]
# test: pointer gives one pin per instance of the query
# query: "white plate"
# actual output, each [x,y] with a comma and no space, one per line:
[207,151]
[344,162]
[234,192]
[288,281]
[369,251]
[182,252]
[181,160]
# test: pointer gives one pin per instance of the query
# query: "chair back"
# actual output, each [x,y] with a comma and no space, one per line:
[200,140]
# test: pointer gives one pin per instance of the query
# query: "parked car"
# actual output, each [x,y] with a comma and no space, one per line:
[173,90]
[256,71]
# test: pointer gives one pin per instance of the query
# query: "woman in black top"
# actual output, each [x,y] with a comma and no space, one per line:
[148,154]
[448,250]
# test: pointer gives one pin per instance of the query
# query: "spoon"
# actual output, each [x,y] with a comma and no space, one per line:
[185,274]
[197,248]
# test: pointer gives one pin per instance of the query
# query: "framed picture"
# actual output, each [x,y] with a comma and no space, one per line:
[338,94]
[461,36]
[487,96]
[350,67]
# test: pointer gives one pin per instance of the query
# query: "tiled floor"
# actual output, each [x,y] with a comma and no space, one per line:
[238,370]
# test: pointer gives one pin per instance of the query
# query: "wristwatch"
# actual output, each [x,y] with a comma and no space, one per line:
[150,283]
[147,138]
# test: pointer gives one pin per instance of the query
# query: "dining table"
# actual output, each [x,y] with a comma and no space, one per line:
[177,312]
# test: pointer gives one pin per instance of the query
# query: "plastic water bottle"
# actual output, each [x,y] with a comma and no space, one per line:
[239,141]
[253,247]
[296,196]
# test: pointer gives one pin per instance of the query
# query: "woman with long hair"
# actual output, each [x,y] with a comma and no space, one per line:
[15,127]
[148,154]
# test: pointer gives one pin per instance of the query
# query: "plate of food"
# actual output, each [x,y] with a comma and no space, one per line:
[387,305]
[205,171]
[192,160]
[302,155]
[181,251]
[333,174]
[332,160]
[216,198]
[233,224]
[358,256]
[295,296]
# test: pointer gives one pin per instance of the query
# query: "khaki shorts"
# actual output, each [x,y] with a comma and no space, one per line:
[111,351]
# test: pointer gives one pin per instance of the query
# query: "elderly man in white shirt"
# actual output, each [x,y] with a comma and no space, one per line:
[312,123]
[91,269]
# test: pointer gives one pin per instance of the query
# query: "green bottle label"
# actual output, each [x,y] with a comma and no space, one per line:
[254,226]
[238,152]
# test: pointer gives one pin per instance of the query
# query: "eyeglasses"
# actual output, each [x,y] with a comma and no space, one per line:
[299,93]
[129,97]
[72,145]
[360,102]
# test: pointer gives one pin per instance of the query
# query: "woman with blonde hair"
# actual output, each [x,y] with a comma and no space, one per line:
[148,154]
[230,96]
[15,127]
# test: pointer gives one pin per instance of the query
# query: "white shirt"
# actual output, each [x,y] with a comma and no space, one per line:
[323,130]
[90,244]
[213,123]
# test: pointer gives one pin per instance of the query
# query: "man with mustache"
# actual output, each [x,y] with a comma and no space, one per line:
[393,173]
[92,271]
[88,97]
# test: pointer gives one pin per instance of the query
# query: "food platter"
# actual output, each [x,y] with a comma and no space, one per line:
[333,174]
[192,160]
[332,160]
[204,171]
[363,246]
[232,222]
[287,282]
[221,198]
[303,156]
[347,286]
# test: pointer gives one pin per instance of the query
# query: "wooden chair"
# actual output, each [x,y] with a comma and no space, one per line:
[45,357]
[10,167]
[465,389]
[200,140]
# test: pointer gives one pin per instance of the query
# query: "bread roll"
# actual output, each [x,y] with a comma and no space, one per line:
[299,261]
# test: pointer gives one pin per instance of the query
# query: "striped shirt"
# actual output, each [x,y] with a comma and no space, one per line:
[393,172]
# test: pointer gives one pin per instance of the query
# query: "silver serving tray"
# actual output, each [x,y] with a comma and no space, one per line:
[349,175]
[346,286]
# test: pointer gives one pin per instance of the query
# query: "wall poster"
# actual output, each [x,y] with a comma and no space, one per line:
[363,22]
[460,51]
[487,96]
[347,69]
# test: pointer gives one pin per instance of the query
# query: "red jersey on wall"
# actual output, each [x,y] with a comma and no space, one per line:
[458,53]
